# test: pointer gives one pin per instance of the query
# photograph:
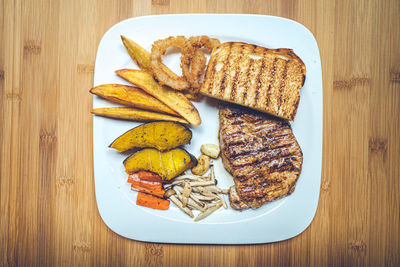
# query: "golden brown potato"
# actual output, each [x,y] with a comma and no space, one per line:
[135,115]
[162,135]
[131,96]
[175,100]
[142,57]
[166,164]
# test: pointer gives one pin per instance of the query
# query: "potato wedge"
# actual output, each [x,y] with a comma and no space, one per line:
[166,164]
[142,57]
[134,114]
[162,135]
[175,100]
[131,96]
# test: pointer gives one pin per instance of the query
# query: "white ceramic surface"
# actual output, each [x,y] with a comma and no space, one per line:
[279,220]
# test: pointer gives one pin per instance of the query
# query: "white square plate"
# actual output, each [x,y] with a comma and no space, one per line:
[278,220]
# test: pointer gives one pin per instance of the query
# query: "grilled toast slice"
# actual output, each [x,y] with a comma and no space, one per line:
[268,80]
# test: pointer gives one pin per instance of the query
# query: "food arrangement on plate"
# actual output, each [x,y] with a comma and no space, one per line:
[259,91]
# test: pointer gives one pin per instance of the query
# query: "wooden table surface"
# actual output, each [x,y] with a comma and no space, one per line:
[48,209]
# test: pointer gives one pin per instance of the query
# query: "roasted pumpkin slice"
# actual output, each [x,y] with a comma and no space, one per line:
[167,164]
[163,135]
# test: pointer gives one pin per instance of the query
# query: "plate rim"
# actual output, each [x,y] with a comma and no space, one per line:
[161,240]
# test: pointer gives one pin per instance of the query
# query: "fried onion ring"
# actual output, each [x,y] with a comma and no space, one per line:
[163,76]
[193,61]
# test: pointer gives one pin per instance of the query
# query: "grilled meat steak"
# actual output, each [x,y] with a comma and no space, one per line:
[262,155]
[264,79]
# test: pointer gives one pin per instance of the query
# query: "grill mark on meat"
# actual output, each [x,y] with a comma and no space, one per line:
[264,137]
[265,130]
[252,140]
[268,157]
[247,152]
[237,143]
[238,122]
[249,193]
[248,177]
[240,147]
[253,119]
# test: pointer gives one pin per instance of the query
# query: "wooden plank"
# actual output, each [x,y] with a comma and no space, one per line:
[11,98]
[383,142]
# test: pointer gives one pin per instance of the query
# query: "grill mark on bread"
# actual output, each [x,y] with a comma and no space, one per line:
[283,84]
[246,86]
[243,84]
[272,81]
[258,87]
[265,79]
[220,91]
[268,80]
[275,91]
[253,79]
[249,81]
[235,78]
[210,82]
[295,76]
[296,105]
[236,54]
[214,71]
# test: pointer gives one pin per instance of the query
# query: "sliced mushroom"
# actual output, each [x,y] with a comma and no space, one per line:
[207,212]
[179,205]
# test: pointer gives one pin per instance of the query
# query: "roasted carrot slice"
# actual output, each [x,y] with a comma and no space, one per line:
[149,176]
[150,201]
[135,177]
[150,187]
[152,190]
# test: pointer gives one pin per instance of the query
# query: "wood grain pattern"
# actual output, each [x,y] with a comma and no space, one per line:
[48,210]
